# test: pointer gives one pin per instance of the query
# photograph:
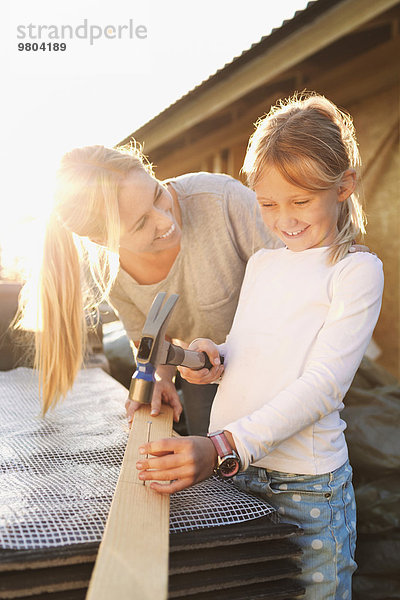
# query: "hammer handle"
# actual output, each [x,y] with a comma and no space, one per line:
[188,358]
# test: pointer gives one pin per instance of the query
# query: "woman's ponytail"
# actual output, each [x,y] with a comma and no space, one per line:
[80,262]
[60,334]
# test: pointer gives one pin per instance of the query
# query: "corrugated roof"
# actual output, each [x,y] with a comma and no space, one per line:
[299,19]
[245,54]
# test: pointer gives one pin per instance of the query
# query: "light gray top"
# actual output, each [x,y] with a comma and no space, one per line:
[221,229]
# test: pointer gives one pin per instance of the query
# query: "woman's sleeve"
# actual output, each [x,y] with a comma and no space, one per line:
[131,317]
[330,368]
[244,221]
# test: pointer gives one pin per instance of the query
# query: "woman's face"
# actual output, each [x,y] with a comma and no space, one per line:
[148,220]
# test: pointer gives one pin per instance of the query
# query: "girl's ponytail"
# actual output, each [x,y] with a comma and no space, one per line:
[351,223]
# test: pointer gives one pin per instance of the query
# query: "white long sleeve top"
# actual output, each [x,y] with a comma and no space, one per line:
[297,339]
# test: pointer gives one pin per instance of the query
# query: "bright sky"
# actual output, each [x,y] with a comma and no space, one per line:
[99,92]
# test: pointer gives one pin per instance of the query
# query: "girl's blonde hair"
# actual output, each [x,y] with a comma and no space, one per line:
[77,274]
[312,143]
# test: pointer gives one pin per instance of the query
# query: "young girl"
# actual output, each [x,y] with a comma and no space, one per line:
[305,316]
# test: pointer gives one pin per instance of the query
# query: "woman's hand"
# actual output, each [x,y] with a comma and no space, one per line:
[164,393]
[181,461]
[204,375]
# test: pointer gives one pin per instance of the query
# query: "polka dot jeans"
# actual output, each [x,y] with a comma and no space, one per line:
[324,507]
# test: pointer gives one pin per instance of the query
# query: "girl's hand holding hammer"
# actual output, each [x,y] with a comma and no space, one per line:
[204,376]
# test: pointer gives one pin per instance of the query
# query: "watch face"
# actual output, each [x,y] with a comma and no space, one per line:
[229,467]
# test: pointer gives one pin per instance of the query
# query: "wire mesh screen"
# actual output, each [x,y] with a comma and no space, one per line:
[214,502]
[58,473]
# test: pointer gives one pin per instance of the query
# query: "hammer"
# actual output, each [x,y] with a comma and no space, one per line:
[154,350]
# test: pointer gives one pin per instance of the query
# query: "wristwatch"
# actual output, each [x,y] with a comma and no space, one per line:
[228,464]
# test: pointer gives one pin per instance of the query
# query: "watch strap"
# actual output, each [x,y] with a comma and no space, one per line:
[221,443]
[228,461]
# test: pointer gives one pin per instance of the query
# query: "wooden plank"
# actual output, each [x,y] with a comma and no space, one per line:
[133,555]
[335,23]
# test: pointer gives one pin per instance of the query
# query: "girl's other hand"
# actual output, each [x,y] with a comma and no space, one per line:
[164,393]
[204,376]
[181,461]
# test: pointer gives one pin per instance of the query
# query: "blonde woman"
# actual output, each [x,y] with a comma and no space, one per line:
[116,232]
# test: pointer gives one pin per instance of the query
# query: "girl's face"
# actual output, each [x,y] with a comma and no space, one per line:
[148,222]
[300,218]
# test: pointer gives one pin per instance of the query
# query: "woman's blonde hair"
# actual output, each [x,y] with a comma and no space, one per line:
[312,143]
[77,274]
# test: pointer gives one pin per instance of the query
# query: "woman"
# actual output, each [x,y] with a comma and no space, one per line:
[117,233]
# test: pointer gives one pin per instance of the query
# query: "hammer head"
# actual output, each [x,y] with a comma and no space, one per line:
[152,349]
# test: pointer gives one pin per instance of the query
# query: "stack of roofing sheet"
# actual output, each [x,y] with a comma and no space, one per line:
[257,559]
[57,477]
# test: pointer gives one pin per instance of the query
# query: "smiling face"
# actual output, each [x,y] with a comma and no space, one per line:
[147,215]
[302,219]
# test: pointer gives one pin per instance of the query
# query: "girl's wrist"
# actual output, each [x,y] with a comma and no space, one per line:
[231,440]
[213,454]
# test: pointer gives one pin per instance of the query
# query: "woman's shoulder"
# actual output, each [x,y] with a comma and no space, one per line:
[200,183]
[218,185]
